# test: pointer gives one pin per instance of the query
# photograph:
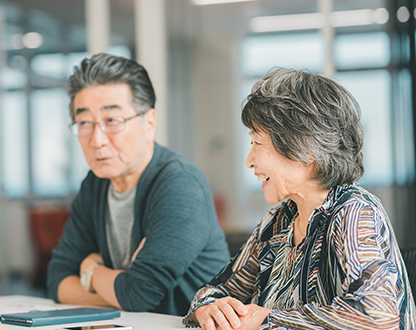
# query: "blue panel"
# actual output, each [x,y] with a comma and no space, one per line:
[363,50]
[372,90]
[300,51]
[15,144]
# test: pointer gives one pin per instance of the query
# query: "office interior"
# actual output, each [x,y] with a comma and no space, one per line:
[203,57]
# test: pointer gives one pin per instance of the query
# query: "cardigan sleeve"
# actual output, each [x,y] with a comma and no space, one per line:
[76,243]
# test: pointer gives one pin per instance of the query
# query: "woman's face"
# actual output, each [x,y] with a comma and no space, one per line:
[282,178]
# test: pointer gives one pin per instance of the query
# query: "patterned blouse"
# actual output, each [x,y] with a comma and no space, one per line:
[347,273]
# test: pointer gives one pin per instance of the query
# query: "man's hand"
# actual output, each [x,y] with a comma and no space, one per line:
[90,260]
[70,290]
[137,250]
[225,313]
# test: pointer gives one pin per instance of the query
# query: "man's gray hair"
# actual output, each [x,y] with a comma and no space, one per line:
[309,116]
[105,69]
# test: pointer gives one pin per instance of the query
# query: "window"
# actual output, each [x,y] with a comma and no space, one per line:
[262,53]
[39,155]
[50,158]
[372,92]
[402,123]
[15,144]
[362,50]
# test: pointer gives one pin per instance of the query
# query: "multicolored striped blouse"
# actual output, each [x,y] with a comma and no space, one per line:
[347,273]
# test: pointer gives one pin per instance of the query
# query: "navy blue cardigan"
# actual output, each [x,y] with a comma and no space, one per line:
[174,210]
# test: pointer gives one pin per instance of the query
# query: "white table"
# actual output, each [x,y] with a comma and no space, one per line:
[148,321]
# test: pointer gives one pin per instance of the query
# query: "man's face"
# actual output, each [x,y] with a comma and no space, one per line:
[116,156]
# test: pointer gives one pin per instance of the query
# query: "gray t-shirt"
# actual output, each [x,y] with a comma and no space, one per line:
[119,224]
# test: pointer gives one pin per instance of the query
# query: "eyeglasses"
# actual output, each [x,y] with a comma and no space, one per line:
[107,125]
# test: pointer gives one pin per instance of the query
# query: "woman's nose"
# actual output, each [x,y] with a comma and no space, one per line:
[250,159]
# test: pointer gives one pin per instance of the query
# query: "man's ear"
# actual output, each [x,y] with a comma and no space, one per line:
[150,121]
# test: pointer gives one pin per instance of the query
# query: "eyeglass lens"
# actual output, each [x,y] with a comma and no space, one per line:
[108,125]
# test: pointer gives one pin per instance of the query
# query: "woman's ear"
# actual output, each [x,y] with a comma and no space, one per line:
[312,167]
[310,162]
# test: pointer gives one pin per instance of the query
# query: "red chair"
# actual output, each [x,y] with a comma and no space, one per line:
[47,226]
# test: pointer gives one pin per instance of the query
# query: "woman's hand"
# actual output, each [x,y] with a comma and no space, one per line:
[254,317]
[230,314]
[224,313]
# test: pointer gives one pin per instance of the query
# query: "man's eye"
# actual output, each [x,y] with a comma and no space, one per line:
[82,123]
[111,121]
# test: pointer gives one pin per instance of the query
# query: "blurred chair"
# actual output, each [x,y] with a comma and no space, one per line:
[47,226]
[235,241]
[409,257]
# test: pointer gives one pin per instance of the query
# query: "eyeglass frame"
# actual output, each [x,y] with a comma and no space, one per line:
[94,123]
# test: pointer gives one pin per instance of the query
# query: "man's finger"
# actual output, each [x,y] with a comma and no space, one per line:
[138,250]
[141,244]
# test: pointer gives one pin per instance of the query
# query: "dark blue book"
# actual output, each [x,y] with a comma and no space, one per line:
[59,316]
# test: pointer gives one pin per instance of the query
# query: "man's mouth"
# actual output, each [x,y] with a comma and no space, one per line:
[263,177]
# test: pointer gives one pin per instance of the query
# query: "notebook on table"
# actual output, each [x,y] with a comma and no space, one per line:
[59,316]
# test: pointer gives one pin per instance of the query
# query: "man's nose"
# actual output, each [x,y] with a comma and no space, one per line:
[98,137]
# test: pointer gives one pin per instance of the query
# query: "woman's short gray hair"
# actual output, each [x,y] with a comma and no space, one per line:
[105,69]
[309,116]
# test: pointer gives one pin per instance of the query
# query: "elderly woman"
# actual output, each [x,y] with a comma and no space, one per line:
[326,256]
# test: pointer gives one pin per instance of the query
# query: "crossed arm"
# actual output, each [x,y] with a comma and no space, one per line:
[70,290]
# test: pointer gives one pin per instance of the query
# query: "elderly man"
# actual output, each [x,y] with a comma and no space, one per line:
[143,234]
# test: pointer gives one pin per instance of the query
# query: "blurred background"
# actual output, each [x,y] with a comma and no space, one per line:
[203,57]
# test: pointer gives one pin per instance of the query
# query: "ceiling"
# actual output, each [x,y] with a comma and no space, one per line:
[181,14]
[73,11]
